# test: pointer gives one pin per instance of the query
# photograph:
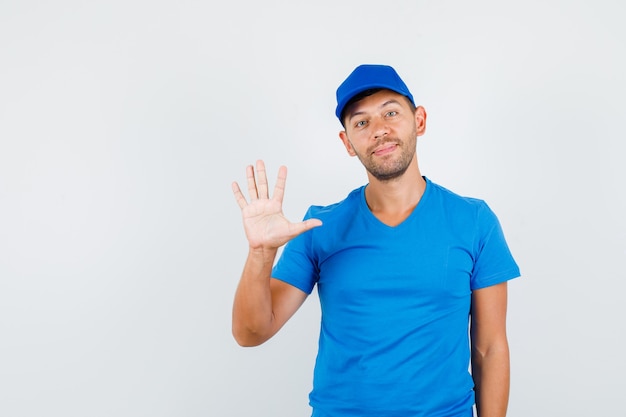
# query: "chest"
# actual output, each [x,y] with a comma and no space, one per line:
[418,267]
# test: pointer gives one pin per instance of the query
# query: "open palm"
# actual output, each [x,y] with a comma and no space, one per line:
[264,223]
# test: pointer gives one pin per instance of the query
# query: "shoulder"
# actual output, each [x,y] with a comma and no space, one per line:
[345,207]
[462,211]
[455,201]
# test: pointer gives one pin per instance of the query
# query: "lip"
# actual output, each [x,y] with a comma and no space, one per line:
[385,149]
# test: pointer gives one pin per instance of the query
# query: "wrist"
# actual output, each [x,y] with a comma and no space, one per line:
[262,254]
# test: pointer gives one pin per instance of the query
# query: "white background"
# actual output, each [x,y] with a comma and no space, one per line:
[123,124]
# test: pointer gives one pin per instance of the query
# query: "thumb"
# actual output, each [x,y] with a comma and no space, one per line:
[306,225]
[311,223]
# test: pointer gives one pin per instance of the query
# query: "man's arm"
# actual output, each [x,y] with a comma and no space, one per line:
[263,305]
[490,350]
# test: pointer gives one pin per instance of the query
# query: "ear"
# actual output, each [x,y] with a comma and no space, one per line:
[420,120]
[346,142]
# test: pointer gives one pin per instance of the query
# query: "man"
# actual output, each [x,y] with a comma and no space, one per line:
[402,266]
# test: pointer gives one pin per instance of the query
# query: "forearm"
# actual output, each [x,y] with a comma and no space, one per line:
[491,373]
[252,307]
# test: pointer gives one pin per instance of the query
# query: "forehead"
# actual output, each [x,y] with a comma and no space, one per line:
[376,101]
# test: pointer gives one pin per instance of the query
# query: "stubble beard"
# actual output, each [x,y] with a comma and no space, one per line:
[388,168]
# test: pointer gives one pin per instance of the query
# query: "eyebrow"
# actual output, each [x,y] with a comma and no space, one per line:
[386,103]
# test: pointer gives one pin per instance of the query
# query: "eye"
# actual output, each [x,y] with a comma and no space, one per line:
[391,113]
[360,123]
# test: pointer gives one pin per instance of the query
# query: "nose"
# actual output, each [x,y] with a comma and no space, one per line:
[380,128]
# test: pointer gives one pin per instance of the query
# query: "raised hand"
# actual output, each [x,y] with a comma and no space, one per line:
[263,220]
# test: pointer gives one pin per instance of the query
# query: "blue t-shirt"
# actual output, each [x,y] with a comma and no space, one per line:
[395,302]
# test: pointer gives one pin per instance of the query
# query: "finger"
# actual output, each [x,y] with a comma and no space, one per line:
[241,200]
[299,228]
[311,223]
[281,181]
[252,191]
[261,181]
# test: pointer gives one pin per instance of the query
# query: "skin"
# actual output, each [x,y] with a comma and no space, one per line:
[490,350]
[262,304]
[381,130]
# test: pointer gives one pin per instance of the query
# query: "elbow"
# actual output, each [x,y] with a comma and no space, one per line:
[494,357]
[495,347]
[251,330]
[500,350]
[246,341]
[247,337]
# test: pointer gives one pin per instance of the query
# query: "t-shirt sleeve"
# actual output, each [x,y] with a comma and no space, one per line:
[296,265]
[493,262]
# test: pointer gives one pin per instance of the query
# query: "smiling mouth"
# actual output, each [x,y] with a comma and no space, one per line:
[385,149]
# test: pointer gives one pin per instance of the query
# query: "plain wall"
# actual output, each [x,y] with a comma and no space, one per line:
[123,124]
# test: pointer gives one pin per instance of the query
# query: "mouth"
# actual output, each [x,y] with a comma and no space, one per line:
[385,149]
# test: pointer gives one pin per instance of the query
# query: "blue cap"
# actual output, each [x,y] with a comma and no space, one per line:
[366,77]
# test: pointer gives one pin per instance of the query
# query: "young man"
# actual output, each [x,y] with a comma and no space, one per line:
[402,266]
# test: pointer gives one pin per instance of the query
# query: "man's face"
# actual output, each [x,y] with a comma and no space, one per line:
[381,130]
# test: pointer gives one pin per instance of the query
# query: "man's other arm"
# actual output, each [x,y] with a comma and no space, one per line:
[490,350]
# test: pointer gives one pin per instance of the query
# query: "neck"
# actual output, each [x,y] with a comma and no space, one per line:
[393,201]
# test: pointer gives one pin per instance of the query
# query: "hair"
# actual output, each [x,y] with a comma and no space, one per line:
[360,96]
